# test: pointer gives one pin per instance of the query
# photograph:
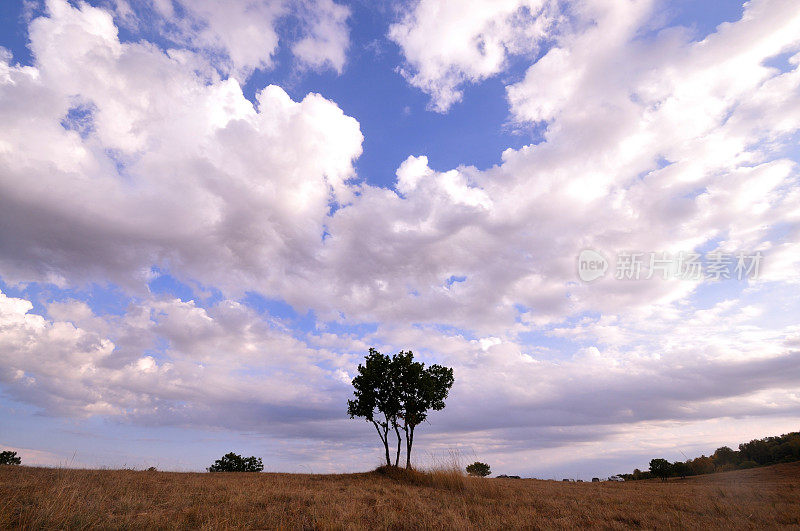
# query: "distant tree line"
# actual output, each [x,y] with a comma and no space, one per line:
[758,452]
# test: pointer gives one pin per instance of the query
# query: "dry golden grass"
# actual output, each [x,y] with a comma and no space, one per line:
[62,498]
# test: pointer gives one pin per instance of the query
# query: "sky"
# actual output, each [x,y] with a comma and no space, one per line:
[210,211]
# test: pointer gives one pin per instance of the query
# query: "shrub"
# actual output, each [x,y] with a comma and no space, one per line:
[232,462]
[479,469]
[9,458]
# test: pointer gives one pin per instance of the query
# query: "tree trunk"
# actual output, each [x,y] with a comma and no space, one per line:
[397,456]
[385,440]
[409,443]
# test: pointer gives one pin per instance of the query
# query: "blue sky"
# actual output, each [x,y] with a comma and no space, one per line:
[200,265]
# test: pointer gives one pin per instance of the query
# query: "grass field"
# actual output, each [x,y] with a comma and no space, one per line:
[62,498]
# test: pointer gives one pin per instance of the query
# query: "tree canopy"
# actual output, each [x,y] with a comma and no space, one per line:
[660,468]
[232,462]
[479,469]
[8,457]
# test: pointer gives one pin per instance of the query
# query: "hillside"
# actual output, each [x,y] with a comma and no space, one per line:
[40,497]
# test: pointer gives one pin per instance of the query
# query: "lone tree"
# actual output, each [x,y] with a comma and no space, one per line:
[376,398]
[396,393]
[232,462]
[8,457]
[479,469]
[660,468]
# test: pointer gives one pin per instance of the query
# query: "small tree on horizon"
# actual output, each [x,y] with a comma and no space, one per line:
[232,462]
[7,457]
[661,468]
[479,469]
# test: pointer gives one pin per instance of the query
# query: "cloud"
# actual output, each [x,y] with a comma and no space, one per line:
[447,44]
[633,158]
[170,166]
[238,196]
[241,37]
[244,31]
[165,362]
[326,41]
[221,367]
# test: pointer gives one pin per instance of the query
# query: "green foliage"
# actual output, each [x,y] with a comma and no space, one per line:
[660,468]
[725,456]
[772,450]
[232,462]
[8,457]
[479,469]
[375,390]
[397,392]
[701,465]
[680,469]
[637,474]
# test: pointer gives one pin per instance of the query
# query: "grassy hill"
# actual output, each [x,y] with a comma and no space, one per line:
[58,498]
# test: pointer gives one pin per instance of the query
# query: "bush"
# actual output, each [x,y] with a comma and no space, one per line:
[9,458]
[232,462]
[479,469]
